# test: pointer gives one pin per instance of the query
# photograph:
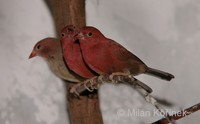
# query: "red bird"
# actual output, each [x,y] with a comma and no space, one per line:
[72,52]
[105,56]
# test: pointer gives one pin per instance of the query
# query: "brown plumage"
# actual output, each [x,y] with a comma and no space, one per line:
[50,50]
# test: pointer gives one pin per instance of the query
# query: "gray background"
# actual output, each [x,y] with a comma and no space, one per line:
[165,34]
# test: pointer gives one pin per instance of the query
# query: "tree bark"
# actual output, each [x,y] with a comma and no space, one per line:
[86,109]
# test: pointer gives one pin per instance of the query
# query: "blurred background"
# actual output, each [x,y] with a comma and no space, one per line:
[165,34]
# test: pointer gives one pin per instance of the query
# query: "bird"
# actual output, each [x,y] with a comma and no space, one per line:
[50,49]
[72,52]
[106,56]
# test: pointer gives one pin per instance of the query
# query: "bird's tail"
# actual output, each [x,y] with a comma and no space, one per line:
[160,74]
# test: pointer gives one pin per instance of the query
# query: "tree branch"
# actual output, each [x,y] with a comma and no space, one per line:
[180,114]
[85,110]
[142,88]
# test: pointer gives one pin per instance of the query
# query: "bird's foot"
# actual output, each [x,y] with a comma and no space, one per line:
[91,84]
[100,79]
[73,91]
[118,74]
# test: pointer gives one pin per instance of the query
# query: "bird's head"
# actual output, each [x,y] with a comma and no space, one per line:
[44,48]
[89,35]
[69,31]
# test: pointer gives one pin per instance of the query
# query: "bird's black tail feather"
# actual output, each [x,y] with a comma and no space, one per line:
[160,74]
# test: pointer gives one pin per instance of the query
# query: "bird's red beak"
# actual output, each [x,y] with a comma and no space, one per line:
[33,54]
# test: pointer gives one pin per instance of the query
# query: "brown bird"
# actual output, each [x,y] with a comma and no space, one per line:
[50,50]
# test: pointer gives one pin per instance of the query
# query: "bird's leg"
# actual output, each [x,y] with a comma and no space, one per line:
[111,77]
[91,81]
[100,79]
[133,81]
[73,90]
[80,87]
[94,82]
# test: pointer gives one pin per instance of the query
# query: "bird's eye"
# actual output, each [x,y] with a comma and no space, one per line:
[89,34]
[38,47]
[63,34]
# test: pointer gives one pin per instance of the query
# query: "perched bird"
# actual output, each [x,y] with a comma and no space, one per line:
[105,56]
[72,52]
[50,50]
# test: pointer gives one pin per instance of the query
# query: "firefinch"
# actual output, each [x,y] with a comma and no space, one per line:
[105,56]
[50,50]
[72,52]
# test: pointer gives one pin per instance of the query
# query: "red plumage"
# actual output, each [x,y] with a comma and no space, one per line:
[105,56]
[72,53]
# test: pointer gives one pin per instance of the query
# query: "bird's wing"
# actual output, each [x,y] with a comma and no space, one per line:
[122,53]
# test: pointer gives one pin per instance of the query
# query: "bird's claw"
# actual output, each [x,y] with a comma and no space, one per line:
[91,87]
[86,87]
[100,79]
[74,92]
[111,77]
